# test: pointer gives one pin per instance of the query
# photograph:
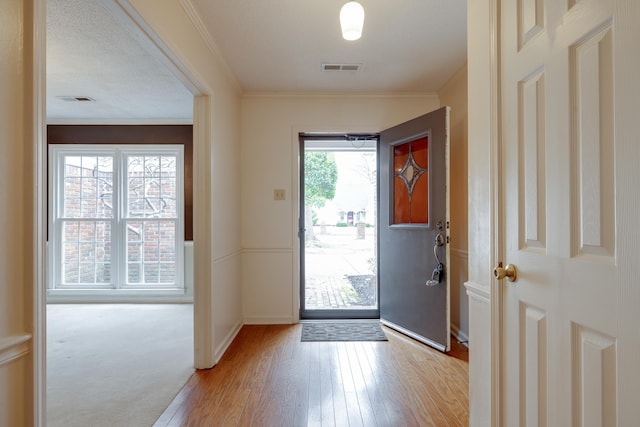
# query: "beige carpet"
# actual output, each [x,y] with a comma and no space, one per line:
[115,364]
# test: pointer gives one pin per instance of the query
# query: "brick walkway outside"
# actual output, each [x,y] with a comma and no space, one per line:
[336,254]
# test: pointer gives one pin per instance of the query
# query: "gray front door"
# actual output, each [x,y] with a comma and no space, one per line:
[414,228]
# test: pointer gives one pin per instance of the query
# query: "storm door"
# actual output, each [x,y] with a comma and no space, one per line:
[337,230]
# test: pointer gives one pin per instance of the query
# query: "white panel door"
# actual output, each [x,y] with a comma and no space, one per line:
[561,141]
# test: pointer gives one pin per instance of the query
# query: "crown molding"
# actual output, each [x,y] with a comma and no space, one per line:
[342,95]
[210,41]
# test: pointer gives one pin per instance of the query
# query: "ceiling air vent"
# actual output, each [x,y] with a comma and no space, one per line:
[76,98]
[341,67]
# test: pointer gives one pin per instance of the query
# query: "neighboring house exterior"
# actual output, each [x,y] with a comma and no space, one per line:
[240,254]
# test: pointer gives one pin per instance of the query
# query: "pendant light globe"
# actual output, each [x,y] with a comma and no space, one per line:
[352,20]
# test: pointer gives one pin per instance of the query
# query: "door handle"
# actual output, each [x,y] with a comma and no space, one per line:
[509,272]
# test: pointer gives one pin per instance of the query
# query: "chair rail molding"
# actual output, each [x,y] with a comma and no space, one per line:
[14,347]
[478,292]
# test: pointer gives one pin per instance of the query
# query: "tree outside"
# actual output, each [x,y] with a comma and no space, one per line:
[320,178]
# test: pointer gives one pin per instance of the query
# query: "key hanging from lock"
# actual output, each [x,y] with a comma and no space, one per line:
[436,276]
[438,272]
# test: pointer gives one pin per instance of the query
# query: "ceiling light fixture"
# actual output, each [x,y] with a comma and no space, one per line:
[351,20]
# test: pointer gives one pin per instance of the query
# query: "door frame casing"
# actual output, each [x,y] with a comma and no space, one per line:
[498,207]
[485,217]
[37,36]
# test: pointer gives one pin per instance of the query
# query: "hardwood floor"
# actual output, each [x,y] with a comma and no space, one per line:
[268,377]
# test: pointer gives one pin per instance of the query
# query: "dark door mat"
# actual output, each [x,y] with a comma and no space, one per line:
[343,331]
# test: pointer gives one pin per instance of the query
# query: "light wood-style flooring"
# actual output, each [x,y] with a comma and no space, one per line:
[268,377]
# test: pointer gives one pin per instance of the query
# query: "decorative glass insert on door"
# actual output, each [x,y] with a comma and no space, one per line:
[411,182]
[116,217]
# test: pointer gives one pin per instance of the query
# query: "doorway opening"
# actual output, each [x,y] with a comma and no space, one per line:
[120,234]
[338,226]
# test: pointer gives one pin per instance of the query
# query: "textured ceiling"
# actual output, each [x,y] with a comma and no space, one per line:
[280,45]
[90,53]
[270,45]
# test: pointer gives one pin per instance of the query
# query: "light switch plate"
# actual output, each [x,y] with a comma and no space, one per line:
[279,194]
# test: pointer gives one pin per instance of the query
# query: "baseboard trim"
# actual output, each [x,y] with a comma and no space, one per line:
[269,320]
[224,345]
[14,347]
[459,335]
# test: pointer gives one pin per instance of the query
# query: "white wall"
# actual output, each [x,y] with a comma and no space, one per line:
[270,126]
[454,94]
[17,216]
[220,170]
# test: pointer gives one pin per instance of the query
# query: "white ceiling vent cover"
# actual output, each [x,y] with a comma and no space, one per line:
[341,67]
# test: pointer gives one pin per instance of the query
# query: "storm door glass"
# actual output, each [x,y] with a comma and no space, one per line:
[338,236]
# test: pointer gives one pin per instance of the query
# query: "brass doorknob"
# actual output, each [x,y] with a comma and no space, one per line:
[509,272]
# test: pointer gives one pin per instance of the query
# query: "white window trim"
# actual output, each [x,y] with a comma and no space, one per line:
[118,288]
